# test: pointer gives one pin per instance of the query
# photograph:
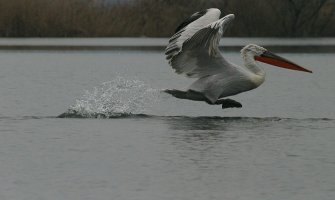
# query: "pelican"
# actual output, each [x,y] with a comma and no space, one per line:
[193,51]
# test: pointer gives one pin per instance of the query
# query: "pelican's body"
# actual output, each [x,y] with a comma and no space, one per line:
[194,51]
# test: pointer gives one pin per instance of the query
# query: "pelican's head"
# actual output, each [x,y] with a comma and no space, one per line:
[252,49]
[252,52]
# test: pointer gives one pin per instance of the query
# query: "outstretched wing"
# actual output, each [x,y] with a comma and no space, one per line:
[199,54]
[188,28]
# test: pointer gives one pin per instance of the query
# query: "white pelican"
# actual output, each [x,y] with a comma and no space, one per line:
[194,51]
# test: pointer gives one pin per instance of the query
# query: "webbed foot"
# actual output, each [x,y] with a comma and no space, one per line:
[228,103]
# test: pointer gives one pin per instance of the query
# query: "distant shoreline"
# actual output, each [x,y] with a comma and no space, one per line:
[308,45]
[98,18]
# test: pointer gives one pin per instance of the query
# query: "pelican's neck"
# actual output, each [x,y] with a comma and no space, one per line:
[250,63]
[256,70]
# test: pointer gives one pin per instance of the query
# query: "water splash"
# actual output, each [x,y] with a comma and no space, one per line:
[116,98]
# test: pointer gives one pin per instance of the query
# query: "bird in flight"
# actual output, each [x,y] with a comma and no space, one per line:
[194,52]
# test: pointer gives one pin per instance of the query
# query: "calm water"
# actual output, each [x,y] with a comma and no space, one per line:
[280,145]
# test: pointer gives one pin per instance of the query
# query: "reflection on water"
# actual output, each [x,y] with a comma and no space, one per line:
[198,141]
[229,123]
[197,123]
[207,142]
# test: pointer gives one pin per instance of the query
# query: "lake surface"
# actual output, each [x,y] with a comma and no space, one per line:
[280,145]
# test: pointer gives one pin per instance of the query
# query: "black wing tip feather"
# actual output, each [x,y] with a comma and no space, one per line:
[172,49]
[191,19]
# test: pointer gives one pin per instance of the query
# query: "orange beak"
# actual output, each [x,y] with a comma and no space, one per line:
[273,59]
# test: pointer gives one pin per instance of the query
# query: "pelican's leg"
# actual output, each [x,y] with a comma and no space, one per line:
[176,93]
[189,94]
[228,103]
[197,96]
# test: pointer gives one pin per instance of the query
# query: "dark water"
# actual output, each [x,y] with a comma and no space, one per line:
[280,145]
